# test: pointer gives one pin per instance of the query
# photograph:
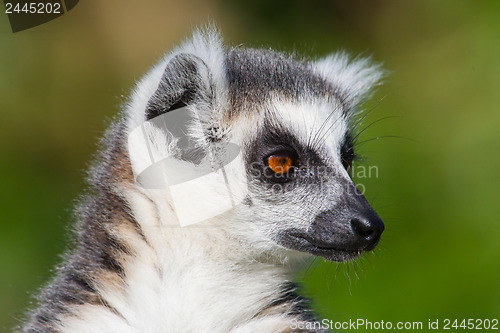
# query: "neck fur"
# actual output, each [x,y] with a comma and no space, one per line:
[196,276]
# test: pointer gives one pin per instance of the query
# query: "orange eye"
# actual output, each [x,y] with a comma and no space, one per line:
[280,164]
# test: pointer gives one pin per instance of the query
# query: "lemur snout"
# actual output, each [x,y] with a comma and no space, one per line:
[367,230]
[364,226]
[350,227]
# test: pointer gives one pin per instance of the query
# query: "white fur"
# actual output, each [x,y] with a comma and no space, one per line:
[181,283]
[316,122]
[355,77]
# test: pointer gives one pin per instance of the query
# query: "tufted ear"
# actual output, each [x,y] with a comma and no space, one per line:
[193,74]
[186,80]
[354,78]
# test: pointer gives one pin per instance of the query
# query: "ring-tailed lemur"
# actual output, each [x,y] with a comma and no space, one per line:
[137,267]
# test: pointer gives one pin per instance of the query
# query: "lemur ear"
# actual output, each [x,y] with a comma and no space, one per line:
[354,78]
[186,80]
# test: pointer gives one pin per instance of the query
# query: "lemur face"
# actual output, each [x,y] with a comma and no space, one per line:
[291,121]
[300,191]
[298,149]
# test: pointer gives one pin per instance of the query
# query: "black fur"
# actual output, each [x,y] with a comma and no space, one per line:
[299,306]
[182,83]
[274,138]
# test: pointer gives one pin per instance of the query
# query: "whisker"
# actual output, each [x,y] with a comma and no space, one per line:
[319,134]
[320,139]
[371,124]
[308,269]
[329,282]
[367,113]
[337,265]
[383,137]
[355,270]
[349,278]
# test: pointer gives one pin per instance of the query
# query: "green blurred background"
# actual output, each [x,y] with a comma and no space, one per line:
[437,186]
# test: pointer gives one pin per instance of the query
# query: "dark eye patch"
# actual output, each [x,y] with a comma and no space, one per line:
[274,140]
[347,153]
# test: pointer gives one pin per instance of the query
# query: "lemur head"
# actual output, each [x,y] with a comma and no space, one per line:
[291,121]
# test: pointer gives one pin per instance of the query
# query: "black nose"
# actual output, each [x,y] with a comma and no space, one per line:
[368,230]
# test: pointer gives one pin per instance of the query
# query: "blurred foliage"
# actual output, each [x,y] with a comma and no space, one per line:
[437,184]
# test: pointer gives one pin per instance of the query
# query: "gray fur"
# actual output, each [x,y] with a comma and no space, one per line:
[254,74]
